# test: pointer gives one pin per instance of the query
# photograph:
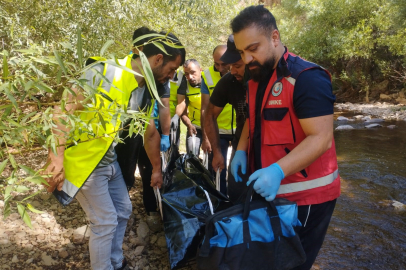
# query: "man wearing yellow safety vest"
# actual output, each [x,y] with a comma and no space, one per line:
[89,170]
[230,89]
[189,93]
[226,119]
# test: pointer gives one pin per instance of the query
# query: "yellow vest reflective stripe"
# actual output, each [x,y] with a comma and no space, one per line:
[195,103]
[80,160]
[226,120]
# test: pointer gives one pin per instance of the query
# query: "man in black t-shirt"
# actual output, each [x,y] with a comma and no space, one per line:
[230,89]
[189,96]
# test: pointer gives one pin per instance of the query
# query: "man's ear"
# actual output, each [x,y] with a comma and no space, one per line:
[159,59]
[275,36]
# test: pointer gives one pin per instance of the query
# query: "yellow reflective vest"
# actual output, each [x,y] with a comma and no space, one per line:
[173,99]
[81,159]
[226,119]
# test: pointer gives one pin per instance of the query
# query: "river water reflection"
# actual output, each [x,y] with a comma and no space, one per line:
[366,232]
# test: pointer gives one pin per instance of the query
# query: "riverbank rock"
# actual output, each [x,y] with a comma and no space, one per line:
[81,235]
[381,110]
[344,127]
[342,118]
[374,120]
[373,126]
[398,205]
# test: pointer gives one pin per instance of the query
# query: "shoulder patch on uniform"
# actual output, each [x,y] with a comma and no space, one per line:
[277,89]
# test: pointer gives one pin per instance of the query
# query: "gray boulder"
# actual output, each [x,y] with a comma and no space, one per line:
[373,126]
[375,120]
[343,127]
[342,118]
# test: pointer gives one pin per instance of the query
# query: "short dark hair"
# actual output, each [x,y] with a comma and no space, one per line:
[194,61]
[151,50]
[254,15]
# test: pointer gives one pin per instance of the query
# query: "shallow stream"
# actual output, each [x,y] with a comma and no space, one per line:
[366,231]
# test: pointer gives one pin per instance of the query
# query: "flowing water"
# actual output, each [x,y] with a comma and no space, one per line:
[366,231]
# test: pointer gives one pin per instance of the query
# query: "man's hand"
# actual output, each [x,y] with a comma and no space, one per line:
[218,161]
[56,172]
[239,160]
[156,179]
[206,146]
[191,130]
[268,181]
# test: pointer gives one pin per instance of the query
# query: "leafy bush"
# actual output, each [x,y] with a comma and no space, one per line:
[359,42]
[44,44]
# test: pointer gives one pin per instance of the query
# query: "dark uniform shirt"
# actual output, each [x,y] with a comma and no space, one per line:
[230,90]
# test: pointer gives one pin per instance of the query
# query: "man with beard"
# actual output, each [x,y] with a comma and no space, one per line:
[289,130]
[229,90]
[226,119]
[189,93]
[89,170]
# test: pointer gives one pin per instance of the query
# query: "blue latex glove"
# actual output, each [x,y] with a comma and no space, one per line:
[268,181]
[239,160]
[165,144]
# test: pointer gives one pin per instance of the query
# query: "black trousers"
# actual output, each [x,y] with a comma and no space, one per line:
[315,220]
[145,168]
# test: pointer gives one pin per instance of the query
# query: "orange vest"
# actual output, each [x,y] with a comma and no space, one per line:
[281,132]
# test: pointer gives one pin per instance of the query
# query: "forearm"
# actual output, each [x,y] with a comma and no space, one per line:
[244,138]
[181,107]
[185,120]
[212,131]
[152,146]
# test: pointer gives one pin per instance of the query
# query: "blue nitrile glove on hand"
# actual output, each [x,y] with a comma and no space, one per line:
[239,160]
[268,181]
[165,144]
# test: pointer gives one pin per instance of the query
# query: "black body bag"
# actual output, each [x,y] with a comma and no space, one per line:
[188,198]
[252,235]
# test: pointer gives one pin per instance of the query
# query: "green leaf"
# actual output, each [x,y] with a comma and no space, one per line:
[37,180]
[28,170]
[42,86]
[7,192]
[24,215]
[22,189]
[12,161]
[131,129]
[5,67]
[102,121]
[6,106]
[3,165]
[9,95]
[106,46]
[32,195]
[148,35]
[161,47]
[60,62]
[79,46]
[32,209]
[6,210]
[149,76]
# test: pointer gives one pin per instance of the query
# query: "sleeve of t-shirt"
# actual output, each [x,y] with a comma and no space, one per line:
[313,95]
[204,89]
[182,87]
[219,95]
[164,90]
